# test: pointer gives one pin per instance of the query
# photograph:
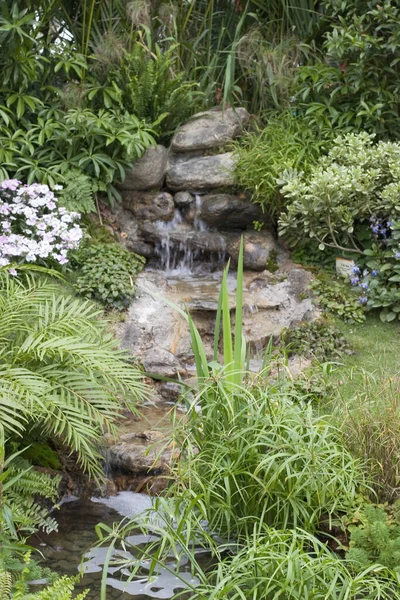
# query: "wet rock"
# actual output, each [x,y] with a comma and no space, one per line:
[211,129]
[162,362]
[149,206]
[141,453]
[256,251]
[130,233]
[153,329]
[159,335]
[206,242]
[201,173]
[183,199]
[149,171]
[226,211]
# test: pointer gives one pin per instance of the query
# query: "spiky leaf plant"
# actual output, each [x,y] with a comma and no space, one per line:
[60,372]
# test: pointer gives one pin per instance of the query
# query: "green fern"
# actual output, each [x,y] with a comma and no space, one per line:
[77,194]
[59,370]
[156,90]
[62,589]
[5,585]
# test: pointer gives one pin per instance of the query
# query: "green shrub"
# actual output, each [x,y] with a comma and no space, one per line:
[107,274]
[357,84]
[334,202]
[375,539]
[286,143]
[319,339]
[338,299]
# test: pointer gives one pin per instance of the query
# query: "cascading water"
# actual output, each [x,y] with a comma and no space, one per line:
[175,248]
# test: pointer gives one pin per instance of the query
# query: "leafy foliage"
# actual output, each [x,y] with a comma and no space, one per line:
[357,84]
[337,298]
[376,538]
[78,191]
[379,282]
[155,89]
[107,274]
[334,202]
[61,589]
[319,339]
[59,370]
[287,143]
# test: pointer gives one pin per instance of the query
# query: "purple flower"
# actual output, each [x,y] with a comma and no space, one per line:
[356,269]
[374,273]
[354,280]
[364,285]
[397,254]
[363,299]
[13,272]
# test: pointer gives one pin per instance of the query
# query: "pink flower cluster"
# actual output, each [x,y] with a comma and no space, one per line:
[32,226]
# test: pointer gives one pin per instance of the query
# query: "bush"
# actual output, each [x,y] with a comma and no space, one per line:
[107,274]
[338,299]
[252,457]
[286,143]
[375,538]
[318,339]
[333,204]
[357,84]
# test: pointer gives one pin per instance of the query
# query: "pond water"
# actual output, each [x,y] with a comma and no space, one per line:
[62,551]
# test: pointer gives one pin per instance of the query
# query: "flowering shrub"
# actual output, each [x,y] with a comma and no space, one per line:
[379,282]
[32,227]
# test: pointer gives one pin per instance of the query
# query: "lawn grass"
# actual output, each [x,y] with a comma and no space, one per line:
[376,348]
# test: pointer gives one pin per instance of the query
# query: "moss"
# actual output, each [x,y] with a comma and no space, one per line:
[40,454]
[272,263]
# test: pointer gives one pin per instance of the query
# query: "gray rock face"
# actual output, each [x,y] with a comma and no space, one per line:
[141,453]
[211,129]
[149,171]
[226,211]
[201,173]
[147,206]
[256,251]
[159,335]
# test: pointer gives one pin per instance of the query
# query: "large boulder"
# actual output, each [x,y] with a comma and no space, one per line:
[211,129]
[149,171]
[257,248]
[201,172]
[226,211]
[147,206]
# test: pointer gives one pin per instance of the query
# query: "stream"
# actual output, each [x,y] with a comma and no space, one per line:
[71,549]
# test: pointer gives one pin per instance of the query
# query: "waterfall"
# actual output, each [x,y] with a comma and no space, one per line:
[174,247]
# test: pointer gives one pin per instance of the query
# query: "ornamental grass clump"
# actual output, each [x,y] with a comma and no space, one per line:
[33,228]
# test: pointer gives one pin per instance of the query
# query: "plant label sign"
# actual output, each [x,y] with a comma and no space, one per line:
[344,267]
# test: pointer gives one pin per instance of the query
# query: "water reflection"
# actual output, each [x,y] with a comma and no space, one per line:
[63,550]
